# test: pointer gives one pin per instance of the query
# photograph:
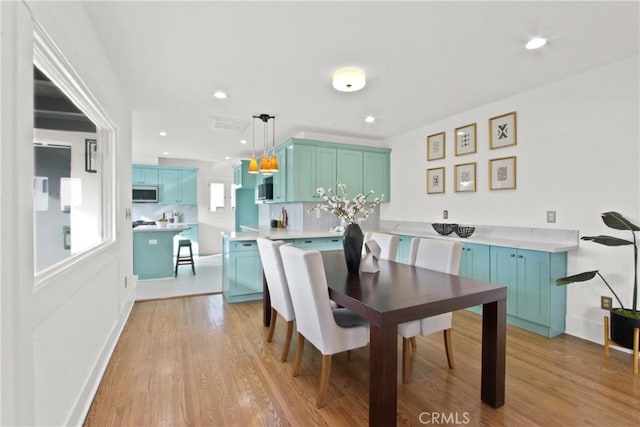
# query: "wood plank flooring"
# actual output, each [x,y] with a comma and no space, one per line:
[197,361]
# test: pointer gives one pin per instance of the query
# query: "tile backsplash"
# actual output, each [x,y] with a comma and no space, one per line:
[300,220]
[154,211]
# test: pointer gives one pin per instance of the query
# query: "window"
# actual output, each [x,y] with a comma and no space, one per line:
[216,197]
[72,145]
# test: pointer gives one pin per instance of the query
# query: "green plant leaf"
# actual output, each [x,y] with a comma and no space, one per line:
[608,240]
[618,221]
[580,277]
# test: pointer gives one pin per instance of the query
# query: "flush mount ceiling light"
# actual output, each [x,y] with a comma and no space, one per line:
[536,43]
[163,133]
[220,95]
[349,79]
[370,119]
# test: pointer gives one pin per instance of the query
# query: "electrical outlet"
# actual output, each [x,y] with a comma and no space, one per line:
[551,216]
[605,303]
[445,214]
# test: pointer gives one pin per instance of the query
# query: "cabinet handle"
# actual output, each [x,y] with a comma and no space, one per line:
[308,241]
[520,256]
[247,244]
[512,255]
[335,240]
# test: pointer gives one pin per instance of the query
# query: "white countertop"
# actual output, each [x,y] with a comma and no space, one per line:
[175,228]
[536,239]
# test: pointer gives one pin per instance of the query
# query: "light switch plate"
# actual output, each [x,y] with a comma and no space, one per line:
[551,216]
[605,303]
[445,214]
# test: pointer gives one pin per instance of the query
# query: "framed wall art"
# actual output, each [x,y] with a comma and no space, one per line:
[465,139]
[502,173]
[465,177]
[435,180]
[502,130]
[90,155]
[436,146]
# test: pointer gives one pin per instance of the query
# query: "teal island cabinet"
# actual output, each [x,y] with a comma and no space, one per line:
[153,250]
[242,277]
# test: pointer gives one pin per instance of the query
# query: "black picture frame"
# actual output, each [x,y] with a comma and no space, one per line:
[90,155]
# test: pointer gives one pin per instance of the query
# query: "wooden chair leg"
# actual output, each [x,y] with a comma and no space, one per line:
[406,343]
[606,336]
[272,324]
[324,380]
[287,341]
[298,360]
[636,344]
[413,342]
[448,347]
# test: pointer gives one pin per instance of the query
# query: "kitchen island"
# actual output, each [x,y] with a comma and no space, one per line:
[242,278]
[153,250]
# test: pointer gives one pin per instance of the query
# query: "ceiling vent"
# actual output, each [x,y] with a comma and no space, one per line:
[228,124]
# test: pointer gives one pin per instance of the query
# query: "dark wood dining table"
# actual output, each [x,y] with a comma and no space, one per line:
[399,293]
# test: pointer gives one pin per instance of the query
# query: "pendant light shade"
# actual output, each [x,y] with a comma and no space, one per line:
[253,164]
[268,165]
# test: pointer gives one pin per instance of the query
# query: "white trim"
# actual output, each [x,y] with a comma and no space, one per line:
[50,60]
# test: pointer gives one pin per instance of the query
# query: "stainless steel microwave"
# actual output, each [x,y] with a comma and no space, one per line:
[144,194]
[265,191]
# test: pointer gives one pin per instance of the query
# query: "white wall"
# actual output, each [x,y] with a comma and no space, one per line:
[577,154]
[57,337]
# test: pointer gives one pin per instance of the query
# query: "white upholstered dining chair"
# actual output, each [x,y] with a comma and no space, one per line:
[278,289]
[330,331]
[439,255]
[388,244]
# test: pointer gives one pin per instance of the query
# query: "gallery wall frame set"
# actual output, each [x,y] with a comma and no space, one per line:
[435,180]
[465,177]
[465,139]
[436,146]
[503,131]
[502,173]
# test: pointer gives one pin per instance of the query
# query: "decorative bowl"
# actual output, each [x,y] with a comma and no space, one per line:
[444,229]
[162,224]
[464,231]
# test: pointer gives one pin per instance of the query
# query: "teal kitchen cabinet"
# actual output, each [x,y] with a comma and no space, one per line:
[307,168]
[178,186]
[280,177]
[319,243]
[144,175]
[376,173]
[534,302]
[241,176]
[241,271]
[404,247]
[349,170]
[475,264]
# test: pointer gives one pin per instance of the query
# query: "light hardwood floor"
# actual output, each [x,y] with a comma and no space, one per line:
[198,361]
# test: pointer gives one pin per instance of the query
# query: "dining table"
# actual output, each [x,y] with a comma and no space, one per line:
[400,293]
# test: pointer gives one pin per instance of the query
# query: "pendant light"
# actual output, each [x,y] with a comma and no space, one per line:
[273,162]
[253,163]
[267,165]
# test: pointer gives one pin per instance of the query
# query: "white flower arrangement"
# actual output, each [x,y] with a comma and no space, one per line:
[351,211]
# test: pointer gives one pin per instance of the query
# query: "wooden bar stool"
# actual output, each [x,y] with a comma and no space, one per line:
[636,343]
[184,259]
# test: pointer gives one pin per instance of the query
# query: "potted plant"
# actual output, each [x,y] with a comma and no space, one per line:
[623,319]
[351,212]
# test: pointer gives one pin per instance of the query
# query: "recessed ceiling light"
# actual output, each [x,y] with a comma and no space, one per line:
[163,133]
[369,119]
[536,43]
[243,141]
[227,157]
[220,95]
[165,153]
[349,79]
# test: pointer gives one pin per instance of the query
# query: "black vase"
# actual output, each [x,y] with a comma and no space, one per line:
[352,243]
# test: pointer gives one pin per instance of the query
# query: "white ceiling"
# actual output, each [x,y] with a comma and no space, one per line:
[424,61]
